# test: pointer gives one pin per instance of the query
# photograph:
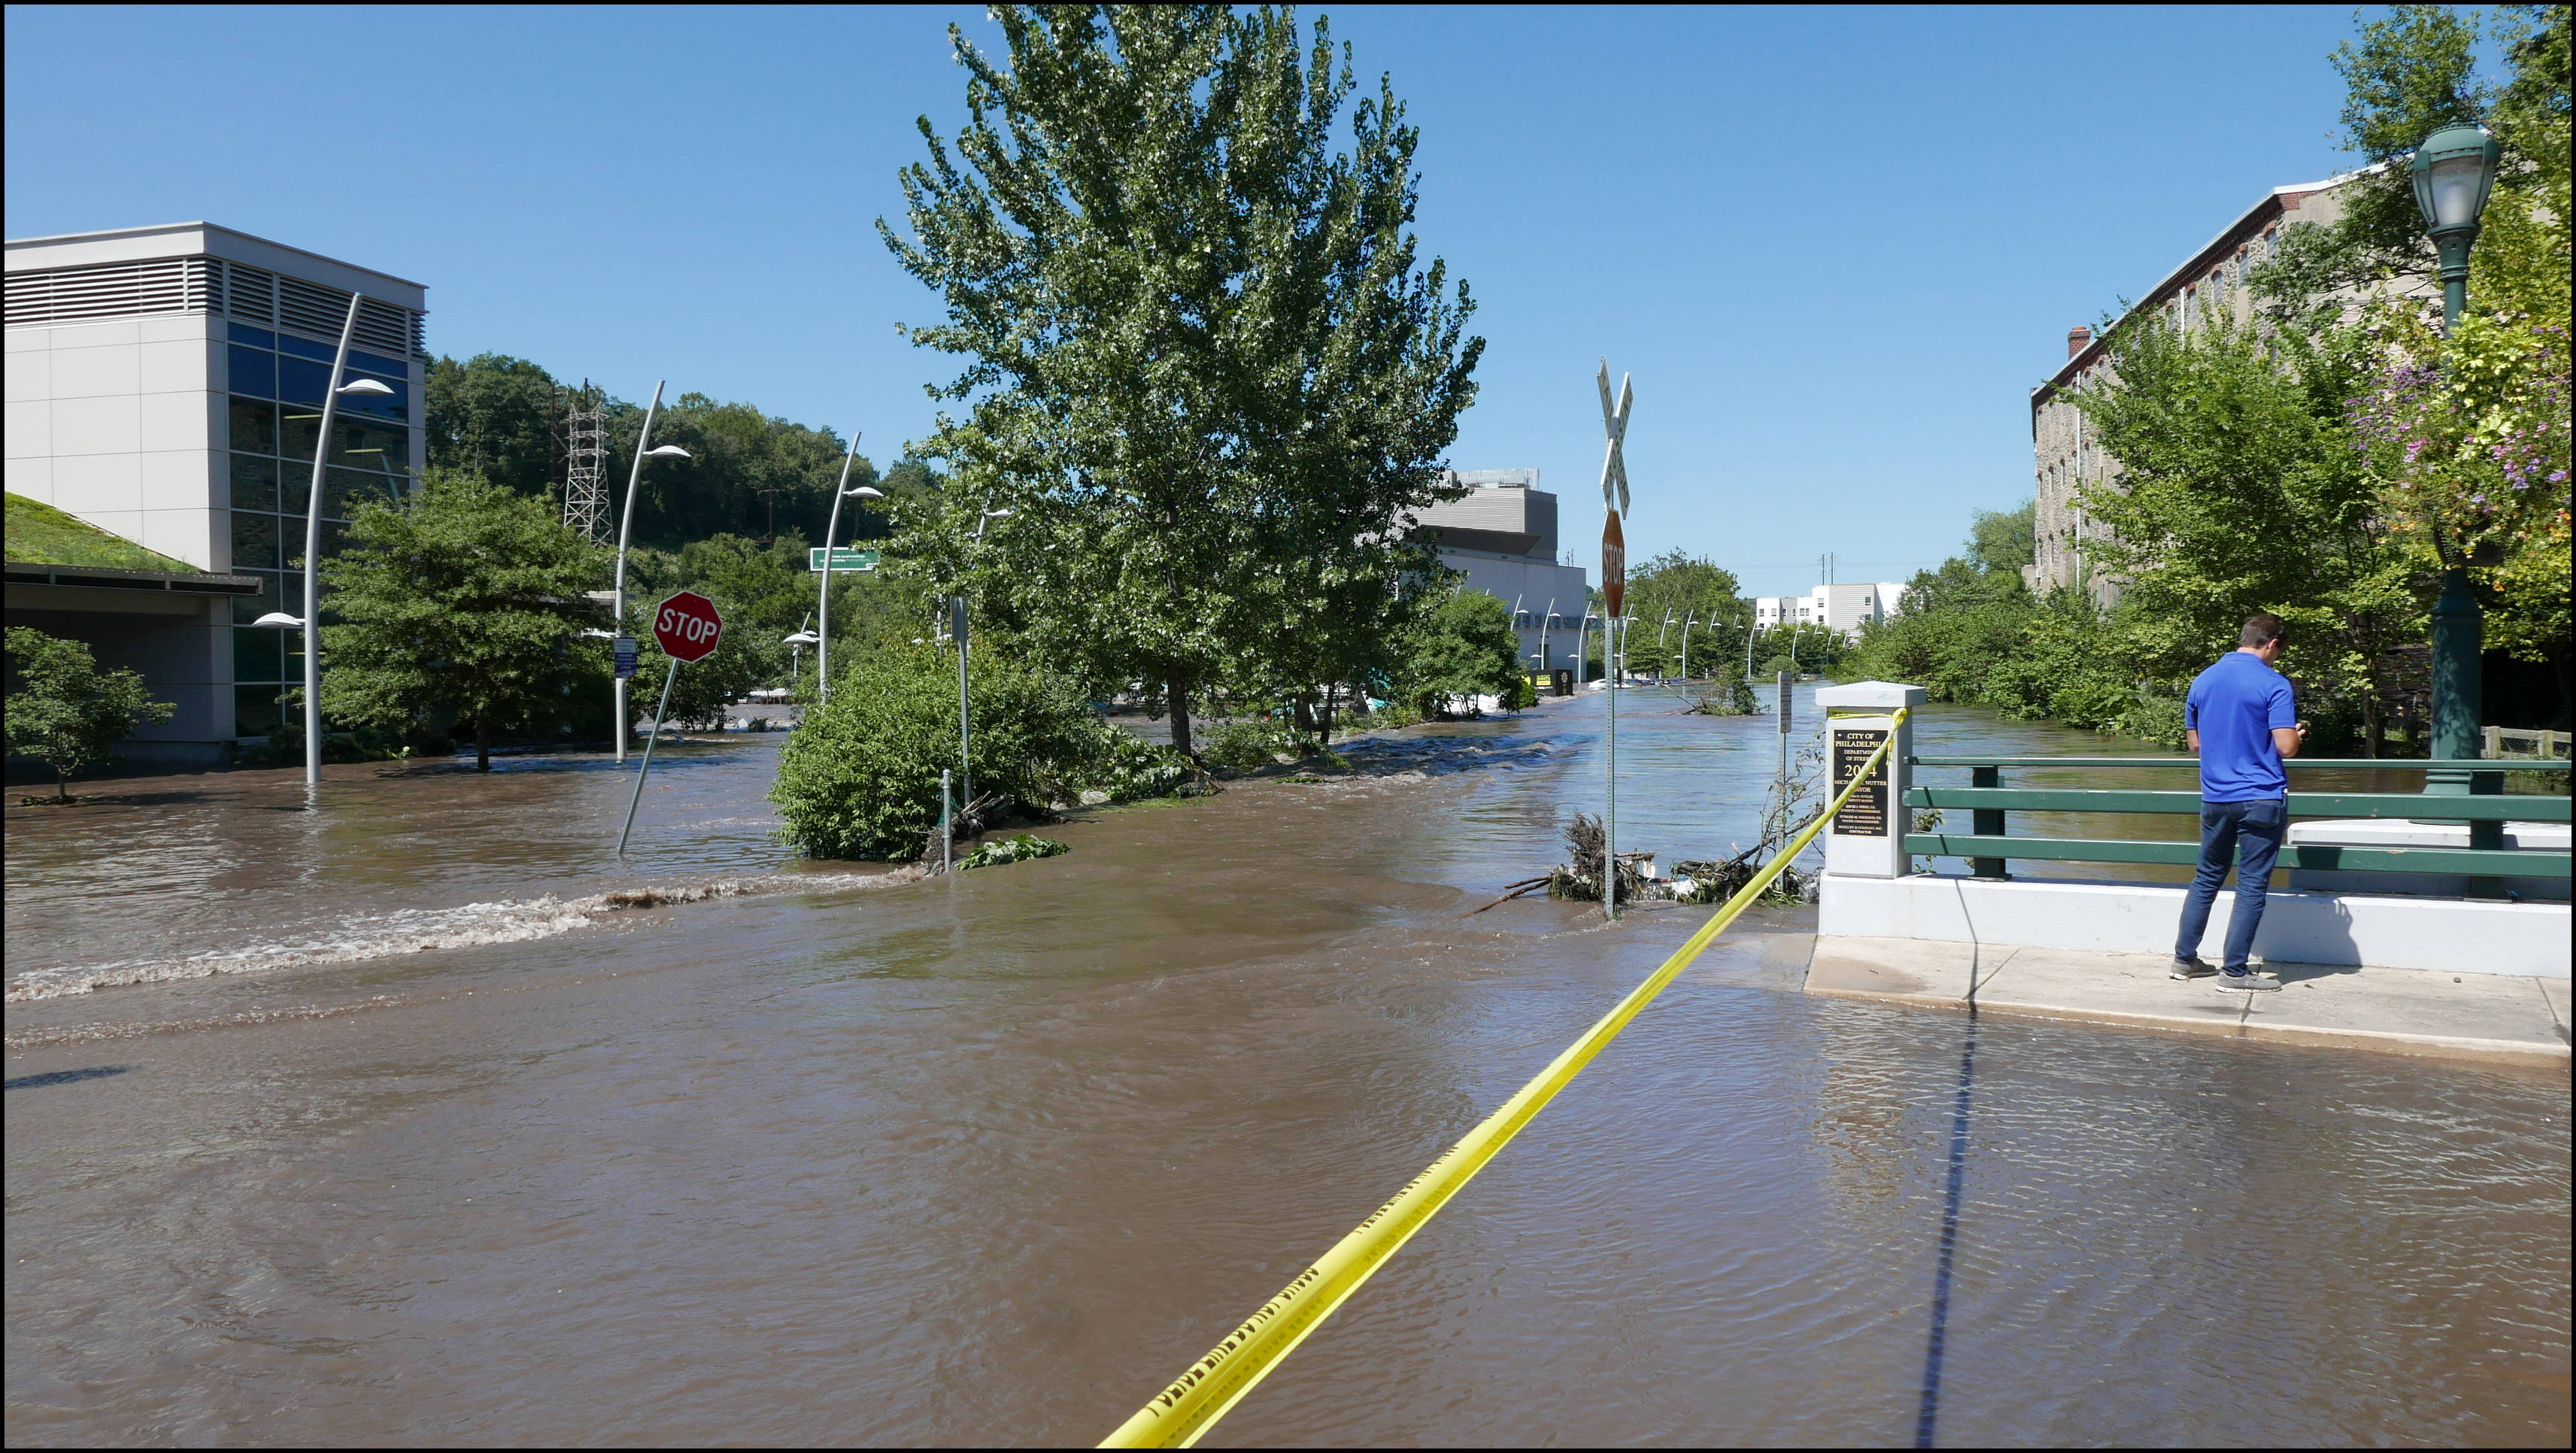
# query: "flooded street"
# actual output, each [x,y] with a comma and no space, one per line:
[411,1121]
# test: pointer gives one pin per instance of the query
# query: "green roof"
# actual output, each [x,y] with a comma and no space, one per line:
[39,534]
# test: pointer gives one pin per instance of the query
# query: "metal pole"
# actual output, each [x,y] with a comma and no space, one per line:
[965,741]
[670,673]
[947,834]
[823,647]
[626,527]
[1686,630]
[313,560]
[1610,785]
[1544,659]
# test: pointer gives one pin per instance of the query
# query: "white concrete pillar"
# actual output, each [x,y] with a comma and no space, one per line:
[1867,838]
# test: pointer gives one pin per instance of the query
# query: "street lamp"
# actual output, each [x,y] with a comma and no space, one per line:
[626,528]
[2454,171]
[957,628]
[1582,648]
[823,642]
[312,620]
[798,642]
[1686,630]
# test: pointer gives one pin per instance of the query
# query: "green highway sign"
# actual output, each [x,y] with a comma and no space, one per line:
[843,558]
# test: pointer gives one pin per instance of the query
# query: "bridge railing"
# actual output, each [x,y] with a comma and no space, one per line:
[1989,845]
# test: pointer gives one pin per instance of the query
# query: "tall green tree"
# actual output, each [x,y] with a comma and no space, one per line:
[1208,380]
[1685,588]
[67,713]
[1461,648]
[465,604]
[493,415]
[2242,492]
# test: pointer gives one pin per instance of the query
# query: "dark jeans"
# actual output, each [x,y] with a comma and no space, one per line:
[2227,829]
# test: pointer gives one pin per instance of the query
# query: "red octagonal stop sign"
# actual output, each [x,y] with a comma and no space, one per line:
[687,626]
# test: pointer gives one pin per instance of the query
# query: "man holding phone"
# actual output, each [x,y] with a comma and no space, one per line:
[2242,720]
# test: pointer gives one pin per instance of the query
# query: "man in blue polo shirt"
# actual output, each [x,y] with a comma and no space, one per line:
[2242,720]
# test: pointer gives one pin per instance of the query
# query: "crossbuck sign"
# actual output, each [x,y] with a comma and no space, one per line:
[1614,491]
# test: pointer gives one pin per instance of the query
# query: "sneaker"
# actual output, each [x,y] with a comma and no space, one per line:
[2194,967]
[2241,981]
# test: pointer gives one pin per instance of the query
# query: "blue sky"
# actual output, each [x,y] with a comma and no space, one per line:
[1834,246]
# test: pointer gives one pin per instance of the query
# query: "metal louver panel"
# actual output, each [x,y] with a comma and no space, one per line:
[112,290]
[250,294]
[310,308]
[384,328]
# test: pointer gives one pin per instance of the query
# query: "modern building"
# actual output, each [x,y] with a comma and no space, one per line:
[164,386]
[1840,608]
[2210,284]
[1502,535]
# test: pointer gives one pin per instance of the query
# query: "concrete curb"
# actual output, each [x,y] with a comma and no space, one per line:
[2502,1021]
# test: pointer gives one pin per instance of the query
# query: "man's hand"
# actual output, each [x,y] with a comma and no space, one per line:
[2286,740]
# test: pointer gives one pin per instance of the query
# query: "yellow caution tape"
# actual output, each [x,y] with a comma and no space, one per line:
[1181,1413]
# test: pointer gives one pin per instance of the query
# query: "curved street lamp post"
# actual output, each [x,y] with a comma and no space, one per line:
[823,639]
[626,527]
[311,621]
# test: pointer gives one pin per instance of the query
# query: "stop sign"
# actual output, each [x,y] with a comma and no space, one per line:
[687,626]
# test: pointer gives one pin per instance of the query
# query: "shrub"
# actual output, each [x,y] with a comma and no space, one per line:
[1012,850]
[860,777]
[1249,746]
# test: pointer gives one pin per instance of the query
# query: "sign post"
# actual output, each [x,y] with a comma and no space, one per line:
[687,628]
[1614,594]
[623,650]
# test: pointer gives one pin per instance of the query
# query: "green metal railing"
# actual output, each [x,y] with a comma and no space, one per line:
[1989,846]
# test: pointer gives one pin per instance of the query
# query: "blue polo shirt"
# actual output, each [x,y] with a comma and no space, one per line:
[2234,705]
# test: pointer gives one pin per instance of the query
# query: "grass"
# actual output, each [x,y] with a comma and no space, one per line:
[40,534]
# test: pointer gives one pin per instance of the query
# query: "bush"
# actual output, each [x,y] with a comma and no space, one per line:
[1249,746]
[1464,648]
[860,777]
[1012,850]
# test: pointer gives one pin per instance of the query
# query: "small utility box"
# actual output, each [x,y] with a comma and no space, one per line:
[1867,838]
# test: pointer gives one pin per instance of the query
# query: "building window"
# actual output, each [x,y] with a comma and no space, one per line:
[275,413]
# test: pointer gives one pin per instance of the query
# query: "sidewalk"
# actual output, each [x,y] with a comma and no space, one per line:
[2492,1017]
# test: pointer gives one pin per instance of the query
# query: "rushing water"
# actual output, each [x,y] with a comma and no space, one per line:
[413,1120]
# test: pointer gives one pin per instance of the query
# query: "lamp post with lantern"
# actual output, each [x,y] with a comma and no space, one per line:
[2454,172]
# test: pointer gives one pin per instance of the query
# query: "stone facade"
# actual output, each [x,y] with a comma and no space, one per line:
[2065,457]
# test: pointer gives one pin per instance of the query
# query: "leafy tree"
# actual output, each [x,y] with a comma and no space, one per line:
[492,415]
[1683,587]
[465,604]
[2243,493]
[1207,379]
[1463,647]
[2004,541]
[67,713]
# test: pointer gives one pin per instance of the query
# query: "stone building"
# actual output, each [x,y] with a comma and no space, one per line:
[2209,284]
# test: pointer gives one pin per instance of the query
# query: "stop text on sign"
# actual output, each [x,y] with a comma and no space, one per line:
[687,626]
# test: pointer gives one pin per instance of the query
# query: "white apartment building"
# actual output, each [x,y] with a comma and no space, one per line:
[1503,536]
[1841,608]
[164,386]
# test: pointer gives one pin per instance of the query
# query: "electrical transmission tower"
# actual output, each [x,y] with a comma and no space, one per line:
[585,461]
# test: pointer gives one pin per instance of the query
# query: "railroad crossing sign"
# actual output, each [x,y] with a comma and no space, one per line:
[1614,423]
[687,626]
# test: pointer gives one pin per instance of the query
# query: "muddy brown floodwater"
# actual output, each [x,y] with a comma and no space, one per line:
[387,1123]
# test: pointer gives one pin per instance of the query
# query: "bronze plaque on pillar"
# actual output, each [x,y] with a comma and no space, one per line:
[1866,814]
